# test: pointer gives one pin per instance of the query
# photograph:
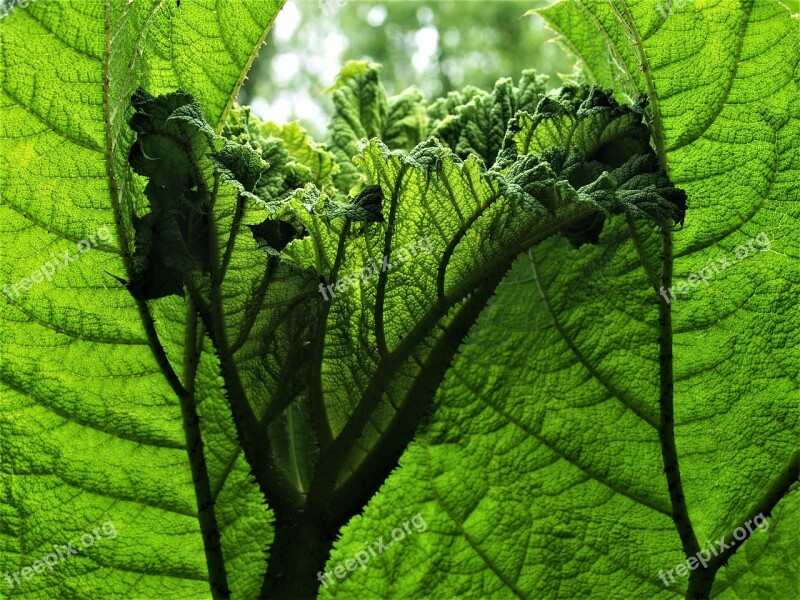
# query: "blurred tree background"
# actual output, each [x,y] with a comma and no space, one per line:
[435,46]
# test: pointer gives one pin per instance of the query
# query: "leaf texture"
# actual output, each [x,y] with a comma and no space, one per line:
[541,475]
[90,431]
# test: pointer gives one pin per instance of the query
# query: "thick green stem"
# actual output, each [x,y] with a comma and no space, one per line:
[296,565]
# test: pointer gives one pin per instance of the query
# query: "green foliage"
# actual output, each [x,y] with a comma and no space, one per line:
[321,447]
[470,289]
[363,110]
[91,430]
[475,122]
[544,461]
[440,47]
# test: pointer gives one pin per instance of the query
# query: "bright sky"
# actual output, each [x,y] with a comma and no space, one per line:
[304,104]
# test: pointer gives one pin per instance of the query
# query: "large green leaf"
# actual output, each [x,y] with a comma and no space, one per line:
[447,228]
[403,267]
[190,309]
[542,476]
[90,429]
